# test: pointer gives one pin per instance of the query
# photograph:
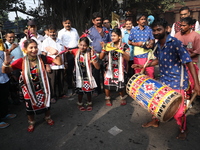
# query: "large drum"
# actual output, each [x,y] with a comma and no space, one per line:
[160,100]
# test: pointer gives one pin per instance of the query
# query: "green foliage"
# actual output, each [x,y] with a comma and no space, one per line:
[153,6]
[52,11]
[7,5]
[3,16]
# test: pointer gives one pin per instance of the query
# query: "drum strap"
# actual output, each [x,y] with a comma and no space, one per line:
[182,75]
[151,56]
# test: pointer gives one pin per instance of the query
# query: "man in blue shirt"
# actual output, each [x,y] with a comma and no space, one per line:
[128,27]
[4,93]
[17,53]
[171,55]
[138,36]
[97,34]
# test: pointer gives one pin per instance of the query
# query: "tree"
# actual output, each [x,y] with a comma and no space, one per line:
[3,17]
[80,11]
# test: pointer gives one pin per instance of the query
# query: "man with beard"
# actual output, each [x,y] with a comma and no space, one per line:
[191,40]
[98,33]
[138,37]
[69,37]
[55,72]
[171,55]
[184,12]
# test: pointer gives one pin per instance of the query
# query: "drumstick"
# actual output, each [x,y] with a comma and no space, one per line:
[192,99]
[142,71]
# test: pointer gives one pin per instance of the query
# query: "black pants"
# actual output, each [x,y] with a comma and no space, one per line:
[131,71]
[14,86]
[56,78]
[4,93]
[98,76]
[69,70]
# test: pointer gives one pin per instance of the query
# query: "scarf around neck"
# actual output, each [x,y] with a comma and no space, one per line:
[43,79]
[79,78]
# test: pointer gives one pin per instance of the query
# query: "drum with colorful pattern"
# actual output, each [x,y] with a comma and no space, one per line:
[160,100]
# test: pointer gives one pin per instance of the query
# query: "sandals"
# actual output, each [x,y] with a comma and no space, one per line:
[123,101]
[80,106]
[3,125]
[49,120]
[89,106]
[9,116]
[32,123]
[108,102]
[31,126]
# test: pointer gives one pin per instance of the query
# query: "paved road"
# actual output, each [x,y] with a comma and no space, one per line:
[75,130]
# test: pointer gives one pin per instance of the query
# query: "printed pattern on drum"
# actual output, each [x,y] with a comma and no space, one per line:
[142,89]
[160,100]
[151,94]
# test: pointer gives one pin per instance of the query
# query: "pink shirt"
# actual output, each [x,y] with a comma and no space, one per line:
[191,42]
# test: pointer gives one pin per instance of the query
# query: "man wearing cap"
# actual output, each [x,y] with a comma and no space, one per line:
[32,28]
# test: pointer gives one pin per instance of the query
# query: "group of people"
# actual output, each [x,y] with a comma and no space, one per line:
[101,56]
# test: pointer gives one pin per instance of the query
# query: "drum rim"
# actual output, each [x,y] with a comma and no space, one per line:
[178,97]
[139,74]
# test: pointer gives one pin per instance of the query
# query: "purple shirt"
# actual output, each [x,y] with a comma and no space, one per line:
[97,38]
[171,56]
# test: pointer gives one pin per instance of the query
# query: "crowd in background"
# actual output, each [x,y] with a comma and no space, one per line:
[102,59]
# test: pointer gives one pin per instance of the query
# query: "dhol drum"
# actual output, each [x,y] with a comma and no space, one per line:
[159,99]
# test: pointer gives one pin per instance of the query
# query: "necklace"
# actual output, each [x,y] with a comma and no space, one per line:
[33,68]
[32,59]
[34,73]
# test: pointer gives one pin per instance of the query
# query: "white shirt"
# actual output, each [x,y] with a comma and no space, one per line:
[56,45]
[39,39]
[69,38]
[197,28]
[45,36]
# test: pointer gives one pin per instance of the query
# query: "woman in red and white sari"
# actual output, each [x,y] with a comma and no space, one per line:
[33,80]
[114,77]
[85,82]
